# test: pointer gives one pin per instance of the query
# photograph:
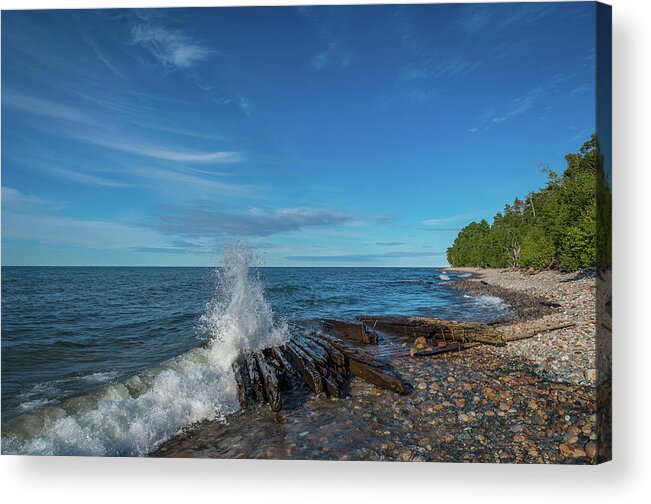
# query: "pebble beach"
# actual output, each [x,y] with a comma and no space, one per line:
[566,354]
[531,401]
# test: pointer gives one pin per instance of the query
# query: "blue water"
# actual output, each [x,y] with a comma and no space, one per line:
[68,332]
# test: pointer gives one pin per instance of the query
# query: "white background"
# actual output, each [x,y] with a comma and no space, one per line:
[626,479]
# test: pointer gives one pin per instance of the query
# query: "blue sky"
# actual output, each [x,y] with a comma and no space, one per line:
[323,136]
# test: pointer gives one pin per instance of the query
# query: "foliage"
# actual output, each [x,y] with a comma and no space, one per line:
[554,227]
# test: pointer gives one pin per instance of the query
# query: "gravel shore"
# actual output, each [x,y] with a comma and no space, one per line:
[566,354]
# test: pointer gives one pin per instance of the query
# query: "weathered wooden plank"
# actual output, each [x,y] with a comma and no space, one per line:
[347,350]
[365,366]
[436,350]
[242,382]
[314,352]
[280,358]
[254,377]
[359,332]
[307,370]
[332,387]
[337,357]
[271,387]
[534,330]
[382,377]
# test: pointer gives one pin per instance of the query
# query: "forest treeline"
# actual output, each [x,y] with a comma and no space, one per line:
[554,227]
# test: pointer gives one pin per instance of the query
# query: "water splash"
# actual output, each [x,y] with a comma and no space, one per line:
[240,317]
[135,416]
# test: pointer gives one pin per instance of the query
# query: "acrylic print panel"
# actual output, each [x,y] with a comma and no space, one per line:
[329,232]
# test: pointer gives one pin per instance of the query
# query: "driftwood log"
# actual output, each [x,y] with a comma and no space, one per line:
[321,361]
[431,336]
[436,330]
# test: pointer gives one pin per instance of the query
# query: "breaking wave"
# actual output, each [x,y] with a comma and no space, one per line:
[133,417]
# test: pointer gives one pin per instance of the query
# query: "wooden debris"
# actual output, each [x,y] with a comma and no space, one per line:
[254,377]
[428,351]
[321,361]
[359,333]
[325,360]
[305,367]
[269,382]
[380,375]
[433,329]
[365,366]
[533,330]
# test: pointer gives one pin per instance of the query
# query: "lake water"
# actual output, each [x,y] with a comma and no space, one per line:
[113,360]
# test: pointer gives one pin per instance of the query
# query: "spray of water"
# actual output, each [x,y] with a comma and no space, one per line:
[134,417]
[240,317]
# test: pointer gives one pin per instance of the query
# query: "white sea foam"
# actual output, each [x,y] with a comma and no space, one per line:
[36,403]
[444,277]
[487,300]
[133,417]
[490,300]
[100,377]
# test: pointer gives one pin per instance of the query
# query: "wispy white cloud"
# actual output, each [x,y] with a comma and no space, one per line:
[501,17]
[426,73]
[458,218]
[509,48]
[180,247]
[436,68]
[335,54]
[32,218]
[85,178]
[516,107]
[581,89]
[202,222]
[581,135]
[56,110]
[90,42]
[95,234]
[421,81]
[245,105]
[97,136]
[520,104]
[39,106]
[217,157]
[177,180]
[13,199]
[170,48]
[27,217]
[390,244]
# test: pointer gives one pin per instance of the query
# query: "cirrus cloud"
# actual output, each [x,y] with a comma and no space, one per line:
[170,48]
[202,222]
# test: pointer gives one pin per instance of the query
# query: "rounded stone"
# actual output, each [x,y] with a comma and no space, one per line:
[591,449]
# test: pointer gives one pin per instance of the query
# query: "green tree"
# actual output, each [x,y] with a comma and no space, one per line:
[537,249]
[555,226]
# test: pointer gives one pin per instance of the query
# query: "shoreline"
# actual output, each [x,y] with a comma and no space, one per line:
[526,402]
[548,297]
